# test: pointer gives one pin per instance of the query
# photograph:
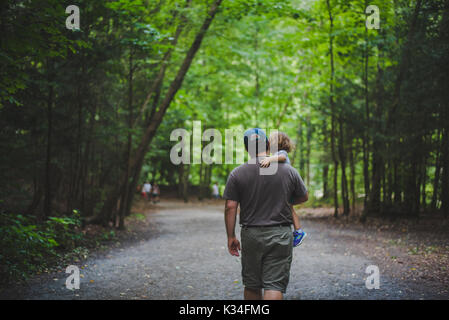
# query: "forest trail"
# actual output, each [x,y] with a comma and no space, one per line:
[185,258]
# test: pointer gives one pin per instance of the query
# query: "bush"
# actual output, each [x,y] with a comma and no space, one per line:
[66,230]
[28,247]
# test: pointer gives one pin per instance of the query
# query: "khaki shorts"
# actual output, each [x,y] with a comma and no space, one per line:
[266,257]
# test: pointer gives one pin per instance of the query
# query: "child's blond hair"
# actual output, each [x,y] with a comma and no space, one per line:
[281,140]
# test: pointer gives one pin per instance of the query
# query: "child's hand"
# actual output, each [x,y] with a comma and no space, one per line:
[265,163]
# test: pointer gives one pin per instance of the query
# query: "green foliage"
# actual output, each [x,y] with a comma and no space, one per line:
[73,104]
[28,247]
[108,235]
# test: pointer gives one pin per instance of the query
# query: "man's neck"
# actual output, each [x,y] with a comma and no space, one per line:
[254,159]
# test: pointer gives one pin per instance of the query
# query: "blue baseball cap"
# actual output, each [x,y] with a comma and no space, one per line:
[257,136]
[254,134]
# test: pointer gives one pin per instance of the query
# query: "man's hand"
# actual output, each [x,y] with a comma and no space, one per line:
[230,215]
[234,246]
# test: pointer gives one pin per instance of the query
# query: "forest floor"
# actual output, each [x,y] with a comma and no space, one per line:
[175,250]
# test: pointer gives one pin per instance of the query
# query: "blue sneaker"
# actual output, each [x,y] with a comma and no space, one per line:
[298,237]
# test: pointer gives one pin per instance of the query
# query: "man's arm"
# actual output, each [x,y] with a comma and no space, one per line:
[230,219]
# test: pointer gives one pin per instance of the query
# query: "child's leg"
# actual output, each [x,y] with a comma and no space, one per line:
[298,234]
[295,217]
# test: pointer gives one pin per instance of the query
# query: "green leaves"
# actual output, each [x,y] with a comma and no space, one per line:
[28,246]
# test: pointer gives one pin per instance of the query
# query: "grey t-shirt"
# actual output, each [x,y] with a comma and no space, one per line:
[264,199]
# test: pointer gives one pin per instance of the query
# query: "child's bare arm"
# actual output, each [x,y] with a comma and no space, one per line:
[276,158]
[281,157]
[296,222]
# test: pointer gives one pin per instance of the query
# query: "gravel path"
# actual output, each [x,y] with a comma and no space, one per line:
[185,258]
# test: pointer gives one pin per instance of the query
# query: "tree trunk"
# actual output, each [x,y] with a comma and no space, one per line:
[297,143]
[396,183]
[336,189]
[444,123]
[423,180]
[308,148]
[344,181]
[326,165]
[436,180]
[332,105]
[201,184]
[153,123]
[388,199]
[37,196]
[126,192]
[445,166]
[326,181]
[208,180]
[300,146]
[366,132]
[374,205]
[47,210]
[352,168]
[184,181]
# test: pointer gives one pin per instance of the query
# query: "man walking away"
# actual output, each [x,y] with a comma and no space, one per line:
[265,217]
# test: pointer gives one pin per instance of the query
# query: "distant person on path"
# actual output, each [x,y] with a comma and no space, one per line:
[284,146]
[265,219]
[215,191]
[156,192]
[146,190]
